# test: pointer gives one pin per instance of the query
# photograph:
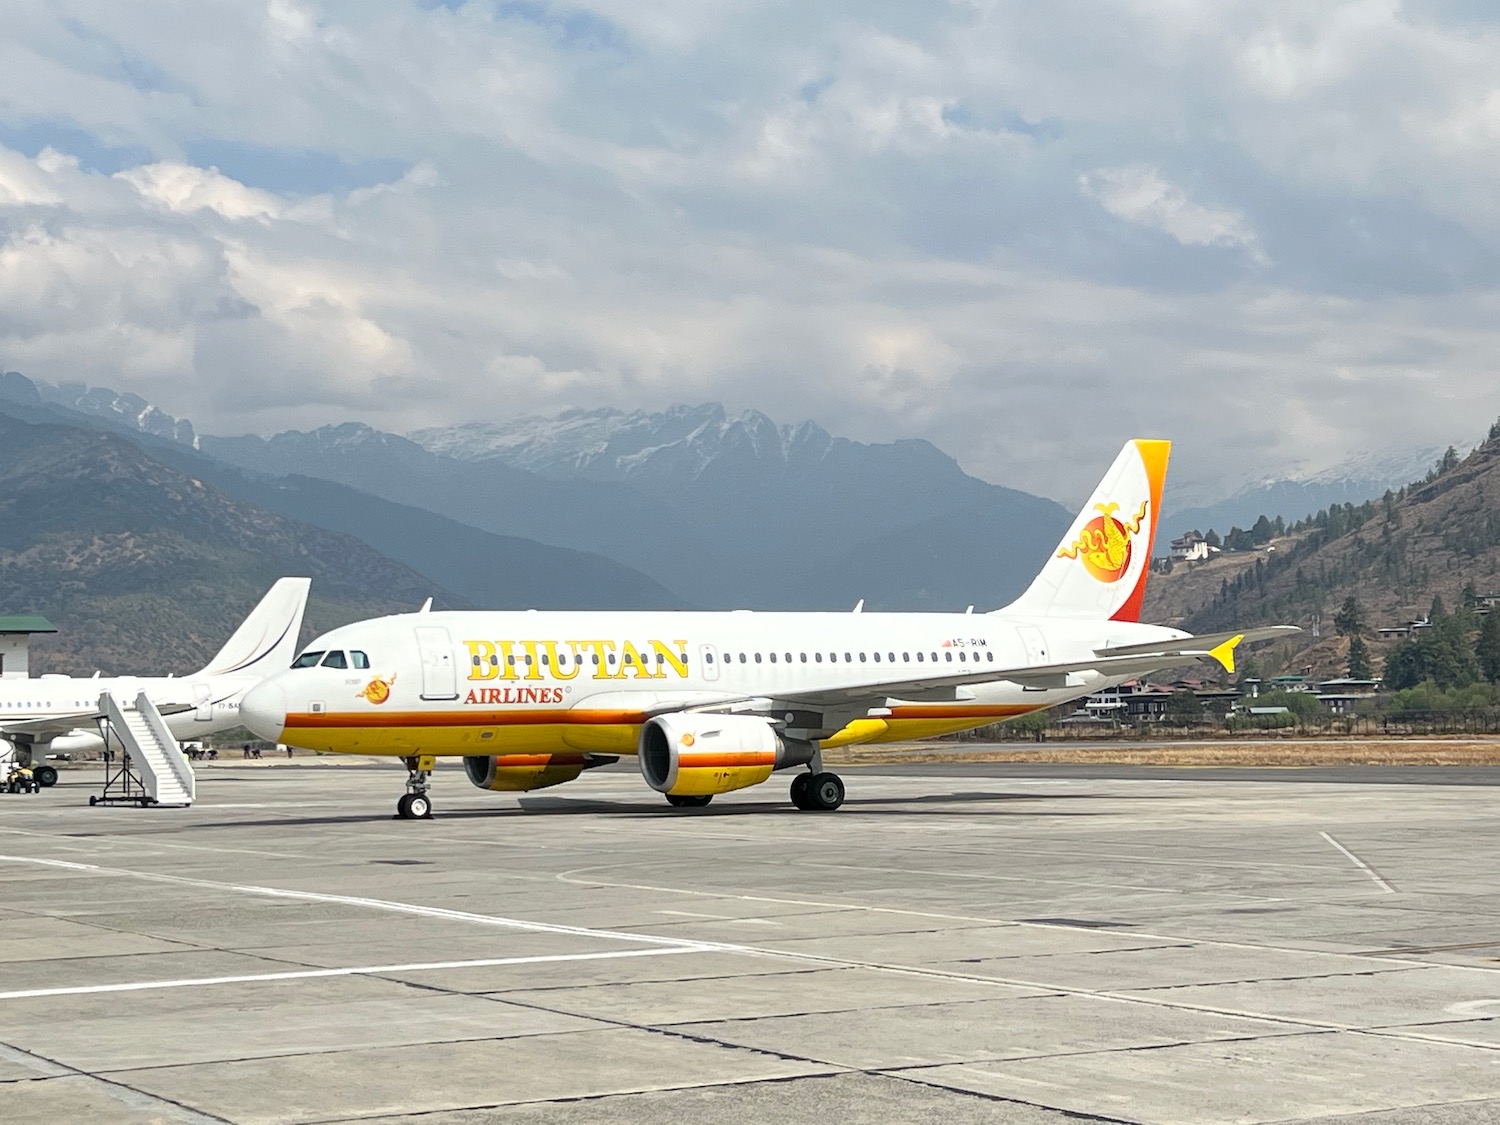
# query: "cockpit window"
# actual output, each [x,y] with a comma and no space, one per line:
[308,659]
[335,660]
[358,659]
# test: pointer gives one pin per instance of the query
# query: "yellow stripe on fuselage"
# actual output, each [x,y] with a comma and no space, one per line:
[552,731]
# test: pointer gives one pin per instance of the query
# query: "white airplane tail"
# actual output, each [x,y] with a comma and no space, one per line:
[1099,569]
[266,641]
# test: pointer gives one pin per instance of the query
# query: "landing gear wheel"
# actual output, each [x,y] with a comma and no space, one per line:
[825,792]
[678,801]
[415,804]
[801,784]
[44,776]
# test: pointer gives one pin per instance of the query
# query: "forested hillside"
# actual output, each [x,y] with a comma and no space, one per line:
[1434,544]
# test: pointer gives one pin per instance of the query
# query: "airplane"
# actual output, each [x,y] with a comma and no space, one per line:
[54,714]
[714,702]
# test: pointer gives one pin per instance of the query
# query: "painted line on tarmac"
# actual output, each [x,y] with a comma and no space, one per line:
[1361,864]
[438,912]
[356,971]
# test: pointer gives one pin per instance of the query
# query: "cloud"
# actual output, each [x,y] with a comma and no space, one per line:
[1138,194]
[1024,231]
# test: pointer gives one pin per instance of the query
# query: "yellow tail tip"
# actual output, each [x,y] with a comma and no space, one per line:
[1224,653]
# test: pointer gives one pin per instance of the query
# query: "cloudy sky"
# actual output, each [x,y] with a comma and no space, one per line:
[1269,229]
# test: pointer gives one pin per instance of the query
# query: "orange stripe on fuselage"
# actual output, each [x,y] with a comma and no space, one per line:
[393,720]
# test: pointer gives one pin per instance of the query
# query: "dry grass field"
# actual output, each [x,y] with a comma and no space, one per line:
[1456,751]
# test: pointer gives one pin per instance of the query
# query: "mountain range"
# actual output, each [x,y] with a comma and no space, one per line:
[113,504]
[1295,495]
[726,512]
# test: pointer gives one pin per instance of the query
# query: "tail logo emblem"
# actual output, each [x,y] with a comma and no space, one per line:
[1104,544]
[378,690]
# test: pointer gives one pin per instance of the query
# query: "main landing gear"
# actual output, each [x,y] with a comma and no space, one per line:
[415,804]
[681,801]
[817,792]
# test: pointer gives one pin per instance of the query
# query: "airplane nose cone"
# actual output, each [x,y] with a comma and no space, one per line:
[263,710]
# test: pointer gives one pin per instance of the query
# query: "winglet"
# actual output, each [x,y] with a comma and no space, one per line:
[1224,653]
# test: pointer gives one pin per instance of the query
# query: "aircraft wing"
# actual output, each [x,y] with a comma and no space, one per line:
[1117,661]
[72,720]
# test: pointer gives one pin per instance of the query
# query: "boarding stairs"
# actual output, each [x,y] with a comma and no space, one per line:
[152,769]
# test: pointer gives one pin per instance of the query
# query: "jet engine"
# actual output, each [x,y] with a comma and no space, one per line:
[518,773]
[691,755]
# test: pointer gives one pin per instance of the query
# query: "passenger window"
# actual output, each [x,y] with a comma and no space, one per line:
[804,657]
[877,658]
[906,658]
[742,658]
[308,659]
[818,657]
[919,658]
[990,656]
[757,658]
[963,658]
[848,658]
[861,658]
[708,658]
[358,659]
[335,660]
[773,658]
[949,656]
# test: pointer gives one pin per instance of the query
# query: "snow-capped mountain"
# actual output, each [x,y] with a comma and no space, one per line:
[1304,491]
[681,442]
[128,409]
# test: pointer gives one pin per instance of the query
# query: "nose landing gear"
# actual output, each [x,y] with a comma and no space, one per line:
[414,803]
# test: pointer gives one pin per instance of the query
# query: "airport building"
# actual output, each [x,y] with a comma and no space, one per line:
[15,643]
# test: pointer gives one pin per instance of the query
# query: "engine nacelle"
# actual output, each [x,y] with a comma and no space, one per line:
[695,755]
[519,773]
[76,742]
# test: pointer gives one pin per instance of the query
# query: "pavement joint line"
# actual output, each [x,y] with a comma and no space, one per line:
[992,877]
[346,971]
[1361,864]
[574,877]
[120,1091]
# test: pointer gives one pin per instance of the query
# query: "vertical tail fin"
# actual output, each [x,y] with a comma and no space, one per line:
[1099,569]
[266,641]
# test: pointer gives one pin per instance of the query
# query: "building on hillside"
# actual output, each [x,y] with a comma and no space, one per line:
[15,643]
[1192,547]
[1288,683]
[1142,700]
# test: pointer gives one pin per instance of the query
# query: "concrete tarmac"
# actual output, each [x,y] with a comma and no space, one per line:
[957,944]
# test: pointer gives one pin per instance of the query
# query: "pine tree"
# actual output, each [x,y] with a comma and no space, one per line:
[1349,621]
[1359,659]
[1488,647]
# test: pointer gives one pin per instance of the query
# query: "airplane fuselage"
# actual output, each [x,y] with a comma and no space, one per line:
[214,703]
[547,682]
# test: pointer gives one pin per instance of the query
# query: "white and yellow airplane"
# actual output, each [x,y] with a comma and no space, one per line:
[713,702]
[60,714]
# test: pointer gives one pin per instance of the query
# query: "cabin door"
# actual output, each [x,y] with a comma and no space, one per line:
[439,676]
